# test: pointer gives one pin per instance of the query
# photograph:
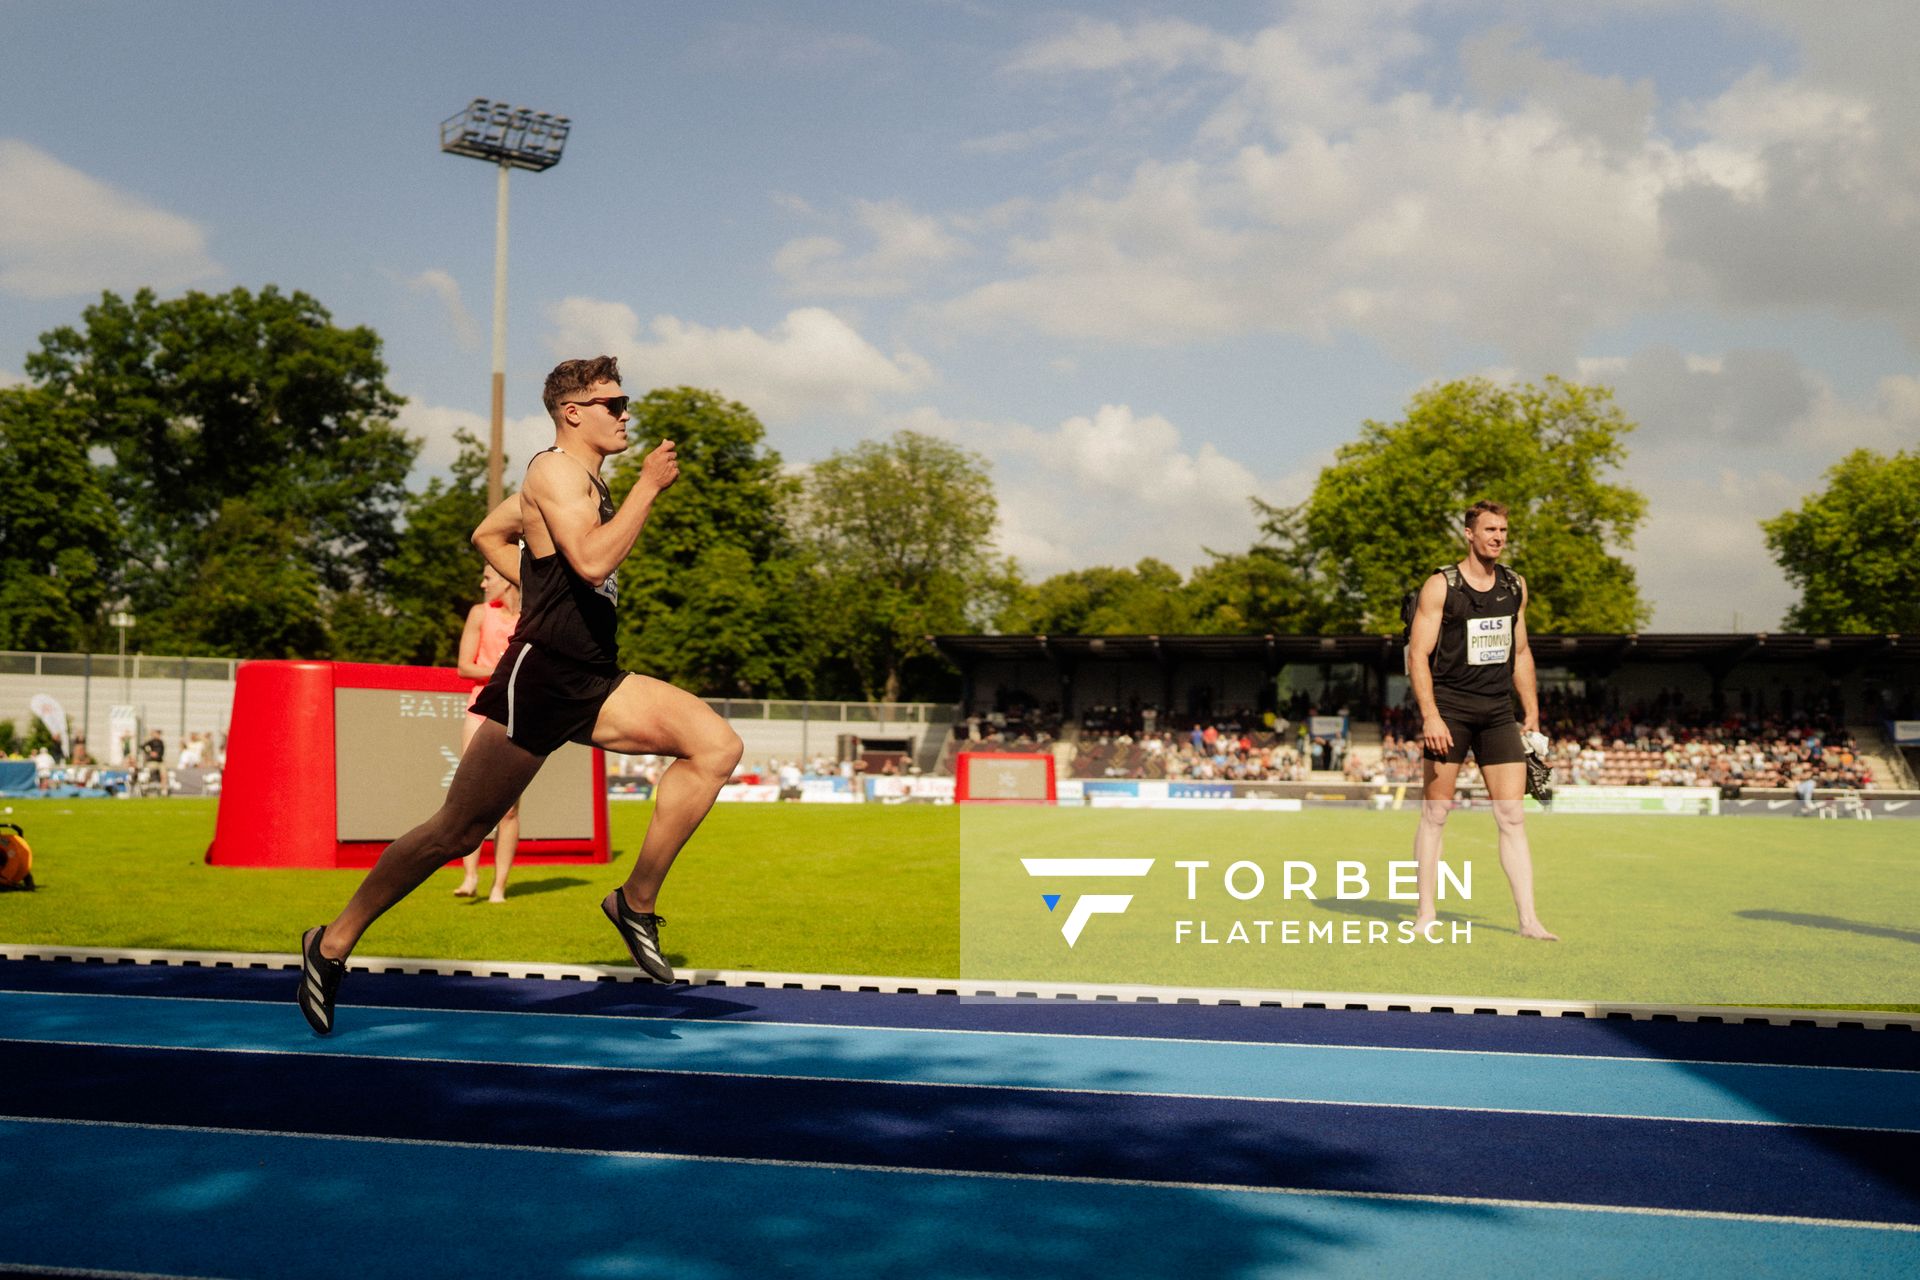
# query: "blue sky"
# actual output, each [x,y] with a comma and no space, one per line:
[1148,259]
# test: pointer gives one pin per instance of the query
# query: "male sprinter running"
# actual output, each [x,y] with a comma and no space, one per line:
[1467,655]
[558,682]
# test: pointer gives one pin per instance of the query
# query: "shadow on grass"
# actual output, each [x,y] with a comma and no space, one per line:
[1834,923]
[523,888]
[1392,912]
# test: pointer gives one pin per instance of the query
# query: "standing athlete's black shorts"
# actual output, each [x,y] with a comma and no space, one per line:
[1479,724]
[546,700]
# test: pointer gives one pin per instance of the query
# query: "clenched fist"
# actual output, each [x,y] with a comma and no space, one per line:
[661,467]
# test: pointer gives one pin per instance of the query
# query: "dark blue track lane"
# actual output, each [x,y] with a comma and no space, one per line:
[1825,1173]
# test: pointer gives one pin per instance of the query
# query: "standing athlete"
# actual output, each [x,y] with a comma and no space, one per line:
[488,631]
[558,682]
[1467,656]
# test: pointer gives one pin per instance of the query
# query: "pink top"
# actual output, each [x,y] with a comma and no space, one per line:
[496,629]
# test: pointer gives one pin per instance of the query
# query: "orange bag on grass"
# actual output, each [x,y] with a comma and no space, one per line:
[16,858]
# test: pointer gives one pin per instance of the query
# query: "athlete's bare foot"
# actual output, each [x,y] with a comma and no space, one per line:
[498,895]
[468,887]
[1421,923]
[1538,931]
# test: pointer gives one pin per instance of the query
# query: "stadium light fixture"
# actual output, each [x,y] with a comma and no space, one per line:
[512,138]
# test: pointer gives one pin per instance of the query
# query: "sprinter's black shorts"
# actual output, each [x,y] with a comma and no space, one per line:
[1479,724]
[545,700]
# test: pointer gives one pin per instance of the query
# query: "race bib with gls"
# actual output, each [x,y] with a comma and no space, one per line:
[1489,641]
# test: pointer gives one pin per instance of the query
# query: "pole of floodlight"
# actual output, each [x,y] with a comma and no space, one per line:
[512,138]
[497,423]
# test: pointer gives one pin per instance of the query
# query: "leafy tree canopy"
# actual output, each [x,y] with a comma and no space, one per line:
[901,531]
[59,533]
[1389,510]
[709,596]
[431,579]
[1148,599]
[1851,548]
[203,400]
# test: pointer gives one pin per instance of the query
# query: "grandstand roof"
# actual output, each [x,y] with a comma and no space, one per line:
[1707,648]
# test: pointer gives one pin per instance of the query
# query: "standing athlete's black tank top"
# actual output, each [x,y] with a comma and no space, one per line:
[563,614]
[1475,653]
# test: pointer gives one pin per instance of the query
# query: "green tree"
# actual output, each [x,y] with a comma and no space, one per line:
[1388,511]
[709,597]
[430,580]
[1270,589]
[58,528]
[901,530]
[257,398]
[1851,549]
[1148,599]
[250,592]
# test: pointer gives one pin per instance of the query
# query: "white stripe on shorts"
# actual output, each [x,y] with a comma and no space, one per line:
[524,651]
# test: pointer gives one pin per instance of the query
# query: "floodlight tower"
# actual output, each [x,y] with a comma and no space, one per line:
[513,138]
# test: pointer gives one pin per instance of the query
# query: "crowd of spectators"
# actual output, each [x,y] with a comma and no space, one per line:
[1203,753]
[1668,742]
[1663,741]
[143,769]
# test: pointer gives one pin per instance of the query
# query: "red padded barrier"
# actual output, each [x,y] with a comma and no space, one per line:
[1004,777]
[278,799]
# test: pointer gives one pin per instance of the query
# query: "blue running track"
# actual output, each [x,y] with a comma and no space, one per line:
[182,1121]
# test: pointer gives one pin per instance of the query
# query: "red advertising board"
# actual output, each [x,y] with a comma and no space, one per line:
[328,762]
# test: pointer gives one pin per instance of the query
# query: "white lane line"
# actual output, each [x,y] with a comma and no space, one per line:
[1000,989]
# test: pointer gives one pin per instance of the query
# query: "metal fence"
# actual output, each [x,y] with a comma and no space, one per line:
[180,695]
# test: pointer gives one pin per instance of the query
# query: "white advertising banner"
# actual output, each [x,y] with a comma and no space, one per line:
[753,793]
[1264,804]
[54,716]
[1684,801]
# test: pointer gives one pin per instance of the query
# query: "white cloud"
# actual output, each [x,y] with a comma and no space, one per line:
[811,362]
[442,285]
[1727,440]
[433,425]
[1319,194]
[63,233]
[1605,108]
[904,246]
[1889,423]
[1738,398]
[1110,488]
[8,378]
[1319,197]
[1434,229]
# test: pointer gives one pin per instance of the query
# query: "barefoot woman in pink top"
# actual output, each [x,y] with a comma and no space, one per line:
[489,626]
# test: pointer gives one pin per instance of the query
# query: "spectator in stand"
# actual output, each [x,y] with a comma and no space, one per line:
[153,761]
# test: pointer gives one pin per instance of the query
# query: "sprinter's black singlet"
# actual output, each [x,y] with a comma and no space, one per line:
[560,611]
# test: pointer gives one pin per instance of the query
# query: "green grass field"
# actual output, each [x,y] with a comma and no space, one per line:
[1728,910]
[813,889]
